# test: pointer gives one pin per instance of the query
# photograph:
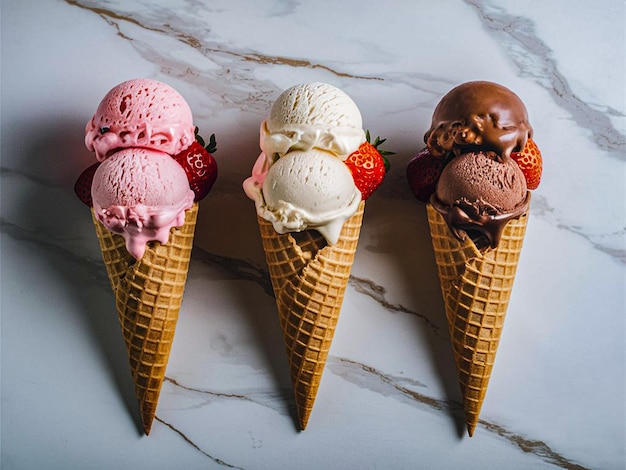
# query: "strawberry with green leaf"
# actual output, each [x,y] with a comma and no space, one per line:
[199,165]
[368,165]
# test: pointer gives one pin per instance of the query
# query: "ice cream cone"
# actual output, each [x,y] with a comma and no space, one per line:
[309,278]
[148,295]
[476,287]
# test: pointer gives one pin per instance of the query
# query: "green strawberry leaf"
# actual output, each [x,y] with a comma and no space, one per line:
[211,147]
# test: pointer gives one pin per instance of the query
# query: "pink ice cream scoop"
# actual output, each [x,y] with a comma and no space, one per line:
[141,194]
[140,113]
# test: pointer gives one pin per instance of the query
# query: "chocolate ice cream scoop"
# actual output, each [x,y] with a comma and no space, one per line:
[478,193]
[478,116]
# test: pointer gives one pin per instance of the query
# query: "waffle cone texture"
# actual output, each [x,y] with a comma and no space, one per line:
[309,278]
[476,286]
[148,295]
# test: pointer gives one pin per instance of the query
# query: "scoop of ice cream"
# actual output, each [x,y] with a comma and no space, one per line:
[478,116]
[478,192]
[482,180]
[140,113]
[141,194]
[312,115]
[308,190]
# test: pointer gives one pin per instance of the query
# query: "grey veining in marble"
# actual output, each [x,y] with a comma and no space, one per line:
[389,397]
[533,58]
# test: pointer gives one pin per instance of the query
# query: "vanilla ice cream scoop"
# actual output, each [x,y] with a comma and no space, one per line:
[140,113]
[309,190]
[312,115]
[141,194]
[300,180]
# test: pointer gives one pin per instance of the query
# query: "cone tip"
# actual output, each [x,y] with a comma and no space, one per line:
[470,429]
[303,422]
[147,424]
[303,417]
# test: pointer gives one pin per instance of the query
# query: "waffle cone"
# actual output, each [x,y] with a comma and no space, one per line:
[476,287]
[148,295]
[309,278]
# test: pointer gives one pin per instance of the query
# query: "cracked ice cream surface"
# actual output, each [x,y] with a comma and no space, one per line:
[140,113]
[299,180]
[308,190]
[312,115]
[141,194]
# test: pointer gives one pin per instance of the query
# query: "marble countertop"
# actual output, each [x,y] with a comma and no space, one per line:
[389,397]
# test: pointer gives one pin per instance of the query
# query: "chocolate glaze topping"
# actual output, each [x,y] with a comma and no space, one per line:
[478,115]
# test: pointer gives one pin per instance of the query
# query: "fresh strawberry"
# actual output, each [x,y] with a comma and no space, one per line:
[530,162]
[82,188]
[199,165]
[423,173]
[368,166]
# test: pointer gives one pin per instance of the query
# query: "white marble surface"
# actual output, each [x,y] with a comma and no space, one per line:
[389,397]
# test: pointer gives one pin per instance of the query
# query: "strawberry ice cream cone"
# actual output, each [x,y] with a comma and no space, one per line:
[476,286]
[152,170]
[148,295]
[309,278]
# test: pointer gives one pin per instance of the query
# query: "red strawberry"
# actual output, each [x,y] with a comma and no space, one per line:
[423,173]
[200,166]
[530,162]
[368,166]
[82,188]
